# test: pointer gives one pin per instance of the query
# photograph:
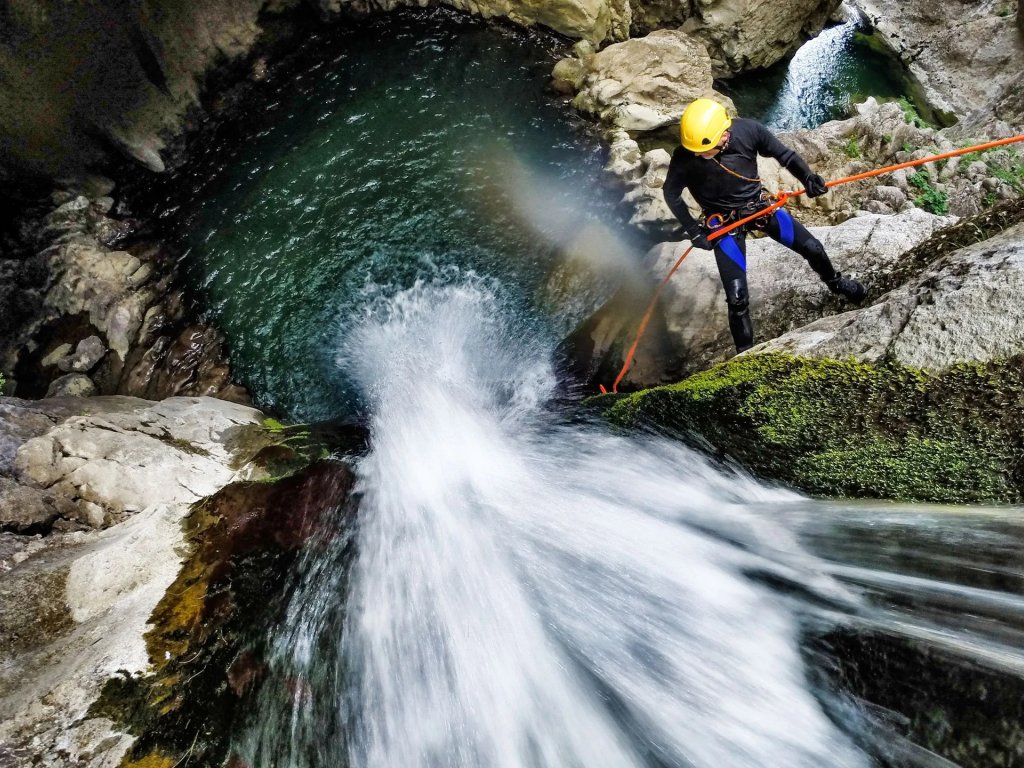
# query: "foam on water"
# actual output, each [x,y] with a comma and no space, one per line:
[532,593]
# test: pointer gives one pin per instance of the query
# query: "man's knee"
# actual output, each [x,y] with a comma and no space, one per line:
[736,296]
[813,250]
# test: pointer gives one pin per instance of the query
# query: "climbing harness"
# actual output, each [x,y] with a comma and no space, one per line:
[718,220]
[781,199]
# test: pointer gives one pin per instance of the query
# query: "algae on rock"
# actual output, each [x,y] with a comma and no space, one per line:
[844,428]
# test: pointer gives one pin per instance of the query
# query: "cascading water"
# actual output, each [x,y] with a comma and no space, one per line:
[529,593]
[820,82]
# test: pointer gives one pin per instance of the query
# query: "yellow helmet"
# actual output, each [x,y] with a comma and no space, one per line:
[702,125]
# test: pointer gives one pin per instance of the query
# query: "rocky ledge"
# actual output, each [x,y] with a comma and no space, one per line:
[99,508]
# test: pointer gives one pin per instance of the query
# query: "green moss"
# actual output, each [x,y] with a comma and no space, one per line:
[273,425]
[852,429]
[207,638]
[911,115]
[852,148]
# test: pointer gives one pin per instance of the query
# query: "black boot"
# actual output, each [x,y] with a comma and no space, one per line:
[742,329]
[854,292]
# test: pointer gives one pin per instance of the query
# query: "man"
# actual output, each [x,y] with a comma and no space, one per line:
[717,162]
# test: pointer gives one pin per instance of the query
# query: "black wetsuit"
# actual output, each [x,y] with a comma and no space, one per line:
[717,190]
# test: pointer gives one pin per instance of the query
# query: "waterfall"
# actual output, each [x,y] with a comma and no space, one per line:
[529,592]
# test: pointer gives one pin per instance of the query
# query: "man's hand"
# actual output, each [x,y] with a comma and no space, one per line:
[698,239]
[815,186]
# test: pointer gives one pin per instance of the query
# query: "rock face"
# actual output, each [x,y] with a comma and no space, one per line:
[120,474]
[82,78]
[966,55]
[964,308]
[741,34]
[78,76]
[746,34]
[594,20]
[111,320]
[784,294]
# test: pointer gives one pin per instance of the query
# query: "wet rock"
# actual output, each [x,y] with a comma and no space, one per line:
[72,385]
[75,607]
[784,294]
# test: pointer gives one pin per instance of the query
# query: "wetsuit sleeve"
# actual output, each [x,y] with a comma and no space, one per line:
[675,183]
[768,145]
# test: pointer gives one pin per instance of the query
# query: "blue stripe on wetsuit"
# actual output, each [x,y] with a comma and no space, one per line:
[785,227]
[731,249]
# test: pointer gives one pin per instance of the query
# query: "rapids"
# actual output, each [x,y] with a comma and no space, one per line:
[534,593]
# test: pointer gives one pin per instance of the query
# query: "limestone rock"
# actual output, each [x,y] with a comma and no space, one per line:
[26,509]
[784,294]
[645,83]
[965,308]
[748,34]
[121,460]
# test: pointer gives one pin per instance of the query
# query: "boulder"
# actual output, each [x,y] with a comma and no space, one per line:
[742,35]
[72,385]
[645,83]
[85,357]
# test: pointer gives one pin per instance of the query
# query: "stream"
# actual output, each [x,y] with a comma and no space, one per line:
[524,587]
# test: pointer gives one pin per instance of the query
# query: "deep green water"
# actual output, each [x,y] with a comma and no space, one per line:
[414,146]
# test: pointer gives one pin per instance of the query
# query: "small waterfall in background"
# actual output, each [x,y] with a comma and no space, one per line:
[826,75]
[525,592]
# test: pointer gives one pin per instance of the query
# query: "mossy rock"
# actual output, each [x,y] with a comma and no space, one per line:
[845,428]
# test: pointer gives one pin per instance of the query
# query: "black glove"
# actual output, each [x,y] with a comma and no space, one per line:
[698,239]
[815,186]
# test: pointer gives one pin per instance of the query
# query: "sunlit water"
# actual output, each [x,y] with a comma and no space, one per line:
[534,594]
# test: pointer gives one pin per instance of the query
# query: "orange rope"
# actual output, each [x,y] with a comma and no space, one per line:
[783,198]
